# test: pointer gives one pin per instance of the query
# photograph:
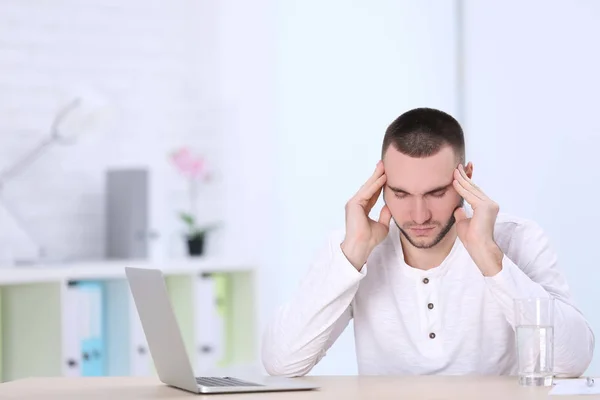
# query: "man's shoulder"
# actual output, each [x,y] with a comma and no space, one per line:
[511,230]
[510,221]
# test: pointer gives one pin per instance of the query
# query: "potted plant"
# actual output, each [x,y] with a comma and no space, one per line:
[195,234]
[193,168]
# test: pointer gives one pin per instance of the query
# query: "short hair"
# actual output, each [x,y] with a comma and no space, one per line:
[423,132]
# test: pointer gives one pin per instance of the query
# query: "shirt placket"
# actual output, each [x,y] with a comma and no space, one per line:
[430,315]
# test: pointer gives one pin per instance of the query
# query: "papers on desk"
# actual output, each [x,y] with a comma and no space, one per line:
[574,386]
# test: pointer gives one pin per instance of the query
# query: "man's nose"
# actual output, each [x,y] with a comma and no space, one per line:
[420,212]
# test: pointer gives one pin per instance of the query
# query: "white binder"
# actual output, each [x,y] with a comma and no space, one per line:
[209,329]
[139,353]
[70,324]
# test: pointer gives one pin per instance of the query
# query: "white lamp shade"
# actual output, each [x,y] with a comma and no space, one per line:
[86,110]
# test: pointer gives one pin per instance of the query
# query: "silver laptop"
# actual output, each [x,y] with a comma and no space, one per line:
[168,350]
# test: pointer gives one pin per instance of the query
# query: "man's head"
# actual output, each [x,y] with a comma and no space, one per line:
[421,149]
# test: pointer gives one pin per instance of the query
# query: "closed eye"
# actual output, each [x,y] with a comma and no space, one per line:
[438,194]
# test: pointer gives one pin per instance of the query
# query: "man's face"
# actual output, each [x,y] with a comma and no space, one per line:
[420,195]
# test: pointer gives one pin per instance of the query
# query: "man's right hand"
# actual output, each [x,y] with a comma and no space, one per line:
[363,233]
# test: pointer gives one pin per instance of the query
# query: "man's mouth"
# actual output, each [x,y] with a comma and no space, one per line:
[422,230]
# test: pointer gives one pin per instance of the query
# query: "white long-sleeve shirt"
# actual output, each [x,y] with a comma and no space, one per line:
[446,320]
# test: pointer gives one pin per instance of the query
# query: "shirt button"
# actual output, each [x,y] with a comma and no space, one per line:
[426,281]
[430,306]
[432,335]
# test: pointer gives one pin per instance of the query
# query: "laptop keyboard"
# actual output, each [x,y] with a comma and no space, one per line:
[226,381]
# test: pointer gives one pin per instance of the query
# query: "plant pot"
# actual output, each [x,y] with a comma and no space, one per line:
[196,245]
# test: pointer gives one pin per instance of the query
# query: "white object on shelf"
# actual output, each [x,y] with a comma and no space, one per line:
[139,352]
[71,342]
[209,329]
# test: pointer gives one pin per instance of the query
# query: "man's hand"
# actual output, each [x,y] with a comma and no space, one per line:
[362,233]
[477,232]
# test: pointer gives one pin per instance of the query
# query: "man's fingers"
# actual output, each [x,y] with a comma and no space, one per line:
[365,195]
[376,174]
[460,215]
[385,216]
[468,184]
[373,200]
[466,194]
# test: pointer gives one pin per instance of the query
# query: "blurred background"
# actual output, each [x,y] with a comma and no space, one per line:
[284,105]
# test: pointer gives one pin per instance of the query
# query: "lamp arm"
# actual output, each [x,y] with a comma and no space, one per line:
[62,114]
[37,151]
[24,161]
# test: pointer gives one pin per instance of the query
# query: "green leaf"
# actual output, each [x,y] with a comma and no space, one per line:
[188,219]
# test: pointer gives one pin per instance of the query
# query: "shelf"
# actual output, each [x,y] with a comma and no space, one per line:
[40,319]
[108,269]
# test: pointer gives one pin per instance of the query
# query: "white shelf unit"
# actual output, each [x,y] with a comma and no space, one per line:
[39,323]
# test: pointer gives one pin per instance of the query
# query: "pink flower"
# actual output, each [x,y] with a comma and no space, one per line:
[190,165]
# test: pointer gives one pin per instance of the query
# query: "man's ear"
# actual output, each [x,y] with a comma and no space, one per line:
[469,170]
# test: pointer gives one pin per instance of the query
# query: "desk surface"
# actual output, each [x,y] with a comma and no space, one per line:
[335,387]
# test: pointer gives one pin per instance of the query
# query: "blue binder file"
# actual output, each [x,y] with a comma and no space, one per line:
[92,328]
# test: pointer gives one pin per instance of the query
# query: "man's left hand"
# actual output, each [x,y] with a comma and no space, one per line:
[477,233]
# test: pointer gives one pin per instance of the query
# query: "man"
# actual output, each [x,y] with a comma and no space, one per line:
[432,292]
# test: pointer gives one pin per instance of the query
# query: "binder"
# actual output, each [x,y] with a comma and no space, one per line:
[71,342]
[125,349]
[209,324]
[139,355]
[91,329]
[116,327]
[223,309]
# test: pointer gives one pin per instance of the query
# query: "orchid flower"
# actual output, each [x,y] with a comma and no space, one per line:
[193,168]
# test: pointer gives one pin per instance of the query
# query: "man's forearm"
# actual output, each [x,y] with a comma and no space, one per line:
[302,329]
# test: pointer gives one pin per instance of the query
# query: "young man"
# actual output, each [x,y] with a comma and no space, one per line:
[429,287]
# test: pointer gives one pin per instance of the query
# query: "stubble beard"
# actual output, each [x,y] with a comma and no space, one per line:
[439,237]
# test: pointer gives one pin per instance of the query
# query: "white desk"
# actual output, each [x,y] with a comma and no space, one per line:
[336,388]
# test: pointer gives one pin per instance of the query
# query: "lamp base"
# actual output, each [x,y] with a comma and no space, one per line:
[42,261]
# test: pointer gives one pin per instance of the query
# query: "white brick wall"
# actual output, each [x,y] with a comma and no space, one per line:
[155,62]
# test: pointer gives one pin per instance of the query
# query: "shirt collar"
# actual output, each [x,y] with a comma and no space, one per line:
[437,271]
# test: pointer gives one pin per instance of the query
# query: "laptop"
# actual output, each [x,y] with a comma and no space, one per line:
[168,351]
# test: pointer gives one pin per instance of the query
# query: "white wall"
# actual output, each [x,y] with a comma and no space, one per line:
[345,70]
[531,120]
[153,60]
[245,88]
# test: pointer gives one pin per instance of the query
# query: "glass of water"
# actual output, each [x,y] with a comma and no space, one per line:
[534,319]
